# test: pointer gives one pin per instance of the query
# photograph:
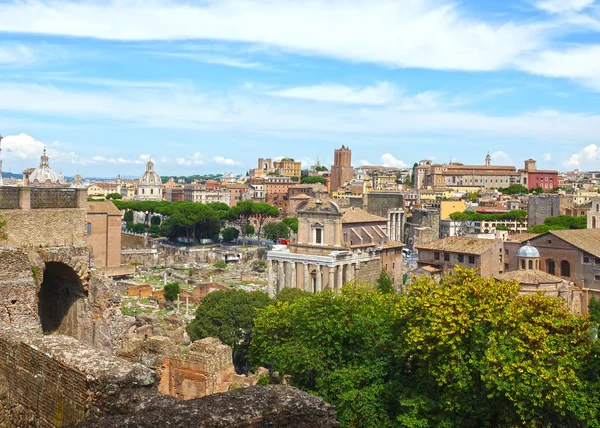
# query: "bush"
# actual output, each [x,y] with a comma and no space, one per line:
[139,228]
[172,290]
[220,265]
[230,234]
[259,265]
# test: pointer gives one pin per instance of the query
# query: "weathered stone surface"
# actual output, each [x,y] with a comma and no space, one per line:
[258,406]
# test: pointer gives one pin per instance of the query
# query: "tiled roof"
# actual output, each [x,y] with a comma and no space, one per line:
[393,244]
[460,245]
[102,207]
[587,240]
[358,215]
[522,237]
[529,277]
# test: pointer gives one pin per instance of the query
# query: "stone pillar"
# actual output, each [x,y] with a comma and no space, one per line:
[340,278]
[394,225]
[280,276]
[25,198]
[294,279]
[356,270]
[318,277]
[306,278]
[331,284]
[287,273]
[269,277]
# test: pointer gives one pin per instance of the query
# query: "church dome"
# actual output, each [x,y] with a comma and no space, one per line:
[44,174]
[528,251]
[150,177]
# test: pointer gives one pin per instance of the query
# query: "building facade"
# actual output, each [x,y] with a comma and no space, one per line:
[342,170]
[149,185]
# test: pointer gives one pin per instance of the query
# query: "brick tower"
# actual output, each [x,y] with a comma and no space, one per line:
[342,170]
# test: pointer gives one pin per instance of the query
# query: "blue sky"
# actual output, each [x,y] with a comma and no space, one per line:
[209,86]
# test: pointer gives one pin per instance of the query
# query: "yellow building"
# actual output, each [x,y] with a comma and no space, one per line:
[288,167]
[449,207]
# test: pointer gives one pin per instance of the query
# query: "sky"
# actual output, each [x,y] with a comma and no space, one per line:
[209,86]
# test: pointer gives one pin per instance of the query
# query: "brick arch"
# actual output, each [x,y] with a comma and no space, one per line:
[74,261]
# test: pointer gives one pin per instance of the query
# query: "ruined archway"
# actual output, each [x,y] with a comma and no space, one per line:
[61,300]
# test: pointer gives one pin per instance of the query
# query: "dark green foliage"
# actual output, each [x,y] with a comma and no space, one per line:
[313,180]
[321,168]
[139,228]
[114,196]
[384,283]
[172,290]
[537,190]
[229,316]
[129,225]
[249,229]
[514,189]
[230,234]
[220,265]
[128,216]
[520,215]
[594,310]
[561,222]
[292,223]
[291,295]
[259,266]
[154,230]
[155,220]
[275,230]
[295,179]
[502,227]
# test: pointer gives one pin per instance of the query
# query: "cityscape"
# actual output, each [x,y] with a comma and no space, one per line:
[299,214]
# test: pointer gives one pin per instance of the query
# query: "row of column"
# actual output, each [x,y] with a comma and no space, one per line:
[395,225]
[282,274]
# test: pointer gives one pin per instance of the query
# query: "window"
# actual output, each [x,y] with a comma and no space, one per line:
[89,228]
[436,256]
[549,241]
[565,268]
[318,236]
[597,261]
[597,277]
[446,257]
[461,258]
[472,260]
[530,264]
[523,264]
[586,260]
[506,252]
[505,266]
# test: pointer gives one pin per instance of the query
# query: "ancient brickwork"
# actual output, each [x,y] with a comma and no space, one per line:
[60,380]
[133,241]
[369,271]
[18,288]
[45,228]
[146,257]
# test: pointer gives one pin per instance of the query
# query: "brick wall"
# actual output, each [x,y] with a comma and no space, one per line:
[46,228]
[132,241]
[369,271]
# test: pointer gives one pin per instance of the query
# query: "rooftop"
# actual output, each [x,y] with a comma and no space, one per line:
[529,277]
[587,240]
[460,245]
[102,207]
[358,215]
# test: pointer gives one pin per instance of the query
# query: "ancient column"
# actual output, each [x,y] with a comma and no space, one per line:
[340,278]
[305,278]
[294,279]
[270,277]
[393,231]
[318,277]
[331,284]
[280,276]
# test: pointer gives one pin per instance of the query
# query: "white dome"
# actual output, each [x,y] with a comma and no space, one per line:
[150,177]
[528,251]
[44,174]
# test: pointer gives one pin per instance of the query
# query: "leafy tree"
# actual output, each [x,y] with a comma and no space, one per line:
[536,190]
[262,212]
[220,265]
[515,189]
[154,230]
[3,235]
[155,220]
[321,168]
[519,215]
[560,222]
[292,223]
[172,290]
[384,283]
[291,295]
[240,215]
[249,229]
[128,216]
[295,179]
[338,346]
[229,316]
[276,230]
[594,310]
[129,225]
[230,234]
[139,228]
[313,180]
[114,195]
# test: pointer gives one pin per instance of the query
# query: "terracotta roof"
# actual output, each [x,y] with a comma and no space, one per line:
[460,245]
[301,196]
[529,277]
[393,244]
[358,215]
[103,207]
[522,237]
[587,240]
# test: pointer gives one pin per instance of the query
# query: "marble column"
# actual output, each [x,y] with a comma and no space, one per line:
[294,279]
[318,277]
[280,276]
[340,278]
[286,269]
[270,278]
[306,278]
[331,284]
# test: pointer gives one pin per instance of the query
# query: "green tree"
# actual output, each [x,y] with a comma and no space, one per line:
[220,265]
[313,180]
[128,216]
[321,168]
[536,190]
[229,316]
[172,290]
[385,283]
[515,189]
[240,215]
[230,234]
[561,222]
[338,346]
[139,228]
[154,230]
[594,310]
[114,195]
[292,223]
[275,230]
[129,225]
[155,220]
[262,212]
[291,295]
[259,266]
[249,229]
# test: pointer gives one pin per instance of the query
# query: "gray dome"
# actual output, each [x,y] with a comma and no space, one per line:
[150,177]
[528,251]
[44,174]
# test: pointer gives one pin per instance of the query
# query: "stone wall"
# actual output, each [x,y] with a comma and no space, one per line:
[379,203]
[145,257]
[133,241]
[369,271]
[45,228]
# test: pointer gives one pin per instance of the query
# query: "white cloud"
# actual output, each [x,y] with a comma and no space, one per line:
[547,157]
[380,93]
[412,33]
[389,160]
[196,159]
[561,6]
[22,146]
[220,160]
[501,158]
[586,158]
[16,54]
